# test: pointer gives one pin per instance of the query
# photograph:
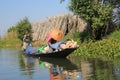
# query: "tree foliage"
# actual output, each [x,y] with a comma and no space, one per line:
[98,13]
[23,26]
[12,29]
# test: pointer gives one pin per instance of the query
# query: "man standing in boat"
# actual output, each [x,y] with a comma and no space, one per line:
[26,40]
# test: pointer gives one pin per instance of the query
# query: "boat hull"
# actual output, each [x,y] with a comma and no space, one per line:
[59,54]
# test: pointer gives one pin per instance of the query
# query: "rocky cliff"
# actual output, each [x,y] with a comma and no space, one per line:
[64,22]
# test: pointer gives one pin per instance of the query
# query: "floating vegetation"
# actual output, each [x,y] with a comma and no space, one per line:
[105,47]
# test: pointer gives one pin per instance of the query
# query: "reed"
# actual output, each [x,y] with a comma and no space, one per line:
[10,41]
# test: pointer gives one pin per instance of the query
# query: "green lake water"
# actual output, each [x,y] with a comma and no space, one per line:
[16,66]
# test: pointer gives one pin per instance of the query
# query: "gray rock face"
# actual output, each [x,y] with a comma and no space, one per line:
[64,22]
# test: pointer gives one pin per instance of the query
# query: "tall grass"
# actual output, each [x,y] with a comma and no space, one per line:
[10,40]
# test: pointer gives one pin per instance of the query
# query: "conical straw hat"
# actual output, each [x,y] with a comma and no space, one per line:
[57,34]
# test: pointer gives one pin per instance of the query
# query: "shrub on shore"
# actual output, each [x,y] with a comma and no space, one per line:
[106,47]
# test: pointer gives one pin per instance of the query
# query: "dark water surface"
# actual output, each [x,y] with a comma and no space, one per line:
[16,66]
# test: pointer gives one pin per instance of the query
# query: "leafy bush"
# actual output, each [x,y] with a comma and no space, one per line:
[105,47]
[115,35]
[97,14]
[12,29]
[23,26]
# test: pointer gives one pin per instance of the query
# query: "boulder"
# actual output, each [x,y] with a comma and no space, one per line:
[65,22]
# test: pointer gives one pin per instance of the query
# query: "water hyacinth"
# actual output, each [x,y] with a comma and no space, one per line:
[105,47]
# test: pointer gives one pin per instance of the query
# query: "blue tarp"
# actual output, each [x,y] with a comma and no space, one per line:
[31,50]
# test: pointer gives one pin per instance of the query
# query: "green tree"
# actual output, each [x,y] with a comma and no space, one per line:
[12,29]
[98,14]
[23,26]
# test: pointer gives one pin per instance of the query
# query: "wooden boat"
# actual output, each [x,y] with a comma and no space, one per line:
[59,54]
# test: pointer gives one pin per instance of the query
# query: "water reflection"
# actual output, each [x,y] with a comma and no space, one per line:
[96,69]
[14,65]
[60,69]
[27,65]
[102,70]
[116,68]
[74,68]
